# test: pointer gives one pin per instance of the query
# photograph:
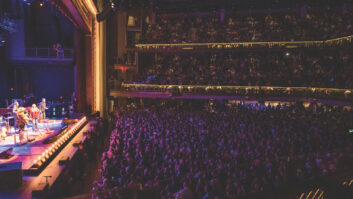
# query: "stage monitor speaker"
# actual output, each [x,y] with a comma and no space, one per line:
[64,160]
[6,154]
[10,175]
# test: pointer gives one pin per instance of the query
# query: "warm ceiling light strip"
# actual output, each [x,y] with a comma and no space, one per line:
[91,6]
[98,65]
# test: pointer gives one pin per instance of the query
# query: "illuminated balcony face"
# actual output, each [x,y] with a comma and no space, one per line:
[244,91]
[239,45]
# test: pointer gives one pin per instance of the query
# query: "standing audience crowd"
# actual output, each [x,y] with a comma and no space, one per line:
[227,152]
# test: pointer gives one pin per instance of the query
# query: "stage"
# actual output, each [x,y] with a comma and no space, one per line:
[40,158]
[29,151]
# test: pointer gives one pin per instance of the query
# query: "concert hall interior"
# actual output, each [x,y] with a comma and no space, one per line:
[176,99]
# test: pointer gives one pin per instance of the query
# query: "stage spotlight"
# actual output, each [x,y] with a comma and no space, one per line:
[106,13]
[108,10]
[287,54]
[115,4]
[42,3]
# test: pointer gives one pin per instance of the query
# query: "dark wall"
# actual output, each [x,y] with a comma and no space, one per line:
[48,82]
[46,26]
[38,26]
[3,77]
[6,72]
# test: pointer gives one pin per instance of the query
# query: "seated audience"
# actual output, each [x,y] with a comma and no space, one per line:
[286,68]
[317,24]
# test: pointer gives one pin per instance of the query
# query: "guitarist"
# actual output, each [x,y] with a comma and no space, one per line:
[34,115]
[22,119]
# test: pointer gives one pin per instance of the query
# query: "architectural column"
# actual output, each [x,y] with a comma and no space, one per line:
[90,58]
[103,68]
[80,70]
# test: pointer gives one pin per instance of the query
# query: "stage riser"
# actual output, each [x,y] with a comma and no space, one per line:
[36,171]
[55,137]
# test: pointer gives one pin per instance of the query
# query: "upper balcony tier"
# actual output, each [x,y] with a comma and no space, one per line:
[44,56]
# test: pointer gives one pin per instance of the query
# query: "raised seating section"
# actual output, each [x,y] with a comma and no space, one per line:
[285,68]
[317,24]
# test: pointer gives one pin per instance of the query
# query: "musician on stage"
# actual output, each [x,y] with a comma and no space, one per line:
[22,118]
[34,115]
[15,107]
[4,131]
[42,108]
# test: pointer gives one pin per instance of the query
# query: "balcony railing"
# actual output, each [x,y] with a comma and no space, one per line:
[247,91]
[245,45]
[49,53]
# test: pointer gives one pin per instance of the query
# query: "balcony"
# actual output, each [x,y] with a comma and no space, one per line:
[43,57]
[49,53]
[233,92]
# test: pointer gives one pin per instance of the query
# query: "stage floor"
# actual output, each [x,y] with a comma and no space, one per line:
[29,152]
